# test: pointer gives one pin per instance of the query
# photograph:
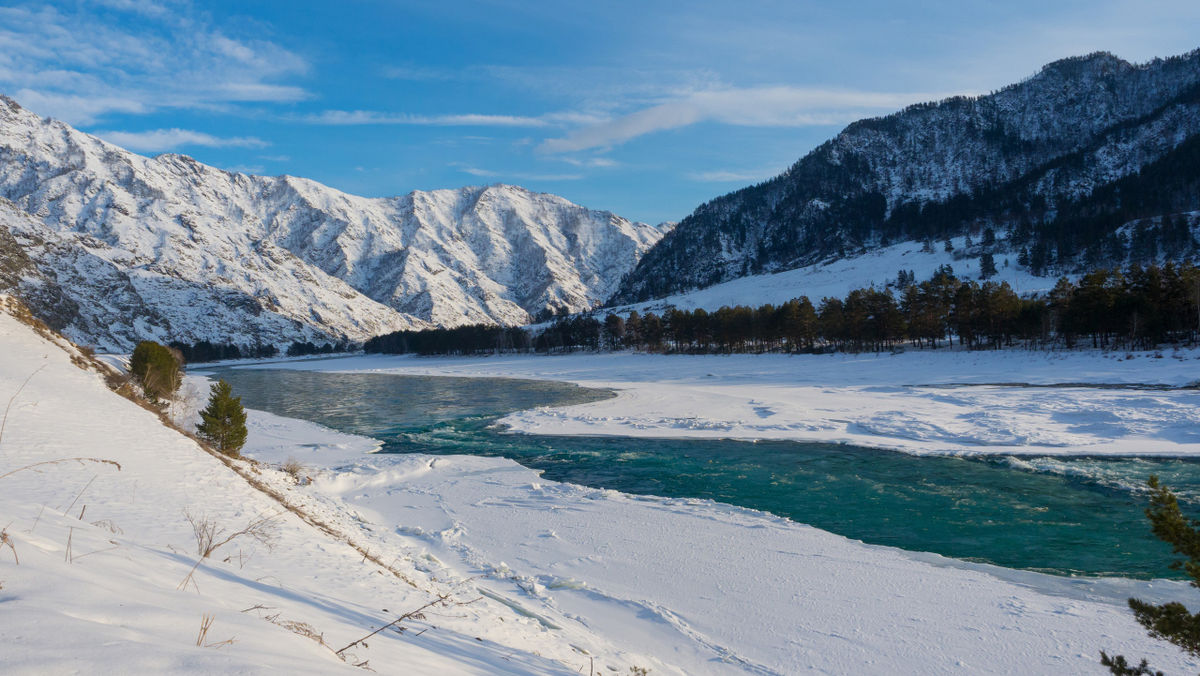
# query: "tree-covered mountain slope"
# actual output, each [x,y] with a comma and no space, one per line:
[1057,167]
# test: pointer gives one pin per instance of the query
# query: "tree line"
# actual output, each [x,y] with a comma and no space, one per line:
[206,351]
[1137,307]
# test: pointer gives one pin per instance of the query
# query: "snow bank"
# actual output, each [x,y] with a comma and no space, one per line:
[943,401]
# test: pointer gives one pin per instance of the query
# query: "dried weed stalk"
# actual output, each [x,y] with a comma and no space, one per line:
[62,460]
[442,601]
[6,540]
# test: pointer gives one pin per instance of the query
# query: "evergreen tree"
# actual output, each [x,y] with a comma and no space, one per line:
[223,421]
[1169,621]
[987,266]
[156,368]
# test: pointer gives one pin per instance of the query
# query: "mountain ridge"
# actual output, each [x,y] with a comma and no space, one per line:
[210,254]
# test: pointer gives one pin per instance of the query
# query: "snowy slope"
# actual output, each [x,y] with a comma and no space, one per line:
[92,582]
[836,278]
[202,253]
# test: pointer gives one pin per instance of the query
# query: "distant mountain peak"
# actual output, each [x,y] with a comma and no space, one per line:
[171,248]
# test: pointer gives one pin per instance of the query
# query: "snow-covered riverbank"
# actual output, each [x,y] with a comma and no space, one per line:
[711,588]
[918,402]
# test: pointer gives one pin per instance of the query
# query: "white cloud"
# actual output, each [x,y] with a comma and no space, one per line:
[726,176]
[76,109]
[602,162]
[515,176]
[159,140]
[80,64]
[363,117]
[757,107]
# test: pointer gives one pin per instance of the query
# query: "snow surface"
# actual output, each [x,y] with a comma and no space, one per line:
[935,401]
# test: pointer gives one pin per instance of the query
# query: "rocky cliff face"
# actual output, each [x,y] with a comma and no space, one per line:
[170,248]
[1011,160]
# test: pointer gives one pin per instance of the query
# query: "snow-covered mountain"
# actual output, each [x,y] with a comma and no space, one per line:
[113,247]
[1054,166]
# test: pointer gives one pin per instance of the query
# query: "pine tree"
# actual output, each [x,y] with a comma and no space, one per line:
[156,368]
[223,421]
[1169,621]
[987,266]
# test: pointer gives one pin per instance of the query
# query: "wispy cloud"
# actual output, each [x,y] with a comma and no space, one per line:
[159,140]
[517,176]
[756,107]
[727,176]
[601,162]
[80,64]
[367,117]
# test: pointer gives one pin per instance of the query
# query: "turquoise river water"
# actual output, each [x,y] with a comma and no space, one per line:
[1071,516]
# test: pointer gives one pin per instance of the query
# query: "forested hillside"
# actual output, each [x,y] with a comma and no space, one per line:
[1092,161]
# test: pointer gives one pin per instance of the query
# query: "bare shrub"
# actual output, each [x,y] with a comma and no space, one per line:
[210,537]
[294,469]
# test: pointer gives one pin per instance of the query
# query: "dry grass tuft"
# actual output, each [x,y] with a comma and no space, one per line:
[6,540]
[13,398]
[294,469]
[206,622]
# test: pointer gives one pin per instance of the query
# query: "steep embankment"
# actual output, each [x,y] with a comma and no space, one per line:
[97,551]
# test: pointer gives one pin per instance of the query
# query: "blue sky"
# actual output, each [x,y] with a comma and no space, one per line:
[643,108]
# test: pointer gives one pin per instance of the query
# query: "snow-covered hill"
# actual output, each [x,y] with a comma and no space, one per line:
[94,552]
[170,248]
